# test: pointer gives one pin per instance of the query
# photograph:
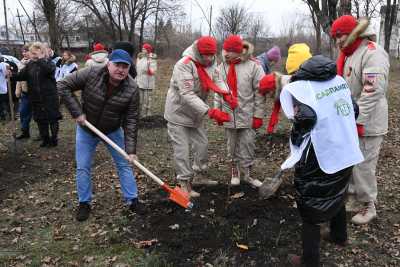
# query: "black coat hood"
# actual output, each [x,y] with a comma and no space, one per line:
[317,68]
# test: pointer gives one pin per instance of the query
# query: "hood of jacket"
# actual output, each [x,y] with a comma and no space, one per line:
[247,52]
[317,68]
[99,56]
[362,30]
[142,55]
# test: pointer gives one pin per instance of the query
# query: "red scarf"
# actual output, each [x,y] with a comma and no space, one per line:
[344,53]
[273,120]
[205,80]
[232,80]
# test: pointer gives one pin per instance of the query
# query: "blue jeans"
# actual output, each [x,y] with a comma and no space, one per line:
[25,112]
[85,148]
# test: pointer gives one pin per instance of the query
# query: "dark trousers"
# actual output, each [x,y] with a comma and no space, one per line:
[311,237]
[44,130]
[4,107]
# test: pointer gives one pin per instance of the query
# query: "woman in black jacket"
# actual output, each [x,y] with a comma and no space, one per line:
[39,74]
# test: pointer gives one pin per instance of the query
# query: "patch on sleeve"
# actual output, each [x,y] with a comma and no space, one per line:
[371,45]
[370,80]
[188,84]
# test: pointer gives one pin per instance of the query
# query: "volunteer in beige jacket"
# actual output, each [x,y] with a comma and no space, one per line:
[365,66]
[146,67]
[245,105]
[193,76]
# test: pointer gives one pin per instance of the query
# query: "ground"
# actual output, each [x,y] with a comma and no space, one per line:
[38,204]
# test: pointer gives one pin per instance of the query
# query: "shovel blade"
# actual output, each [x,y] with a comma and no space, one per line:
[181,198]
[269,188]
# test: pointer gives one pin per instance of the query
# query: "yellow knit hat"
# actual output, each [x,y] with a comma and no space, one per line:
[297,55]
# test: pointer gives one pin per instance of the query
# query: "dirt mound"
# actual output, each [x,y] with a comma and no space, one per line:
[213,229]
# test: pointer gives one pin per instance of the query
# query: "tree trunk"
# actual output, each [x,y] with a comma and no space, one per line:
[49,10]
[390,18]
[142,21]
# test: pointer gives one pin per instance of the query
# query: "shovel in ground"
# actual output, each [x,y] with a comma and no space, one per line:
[176,194]
[270,186]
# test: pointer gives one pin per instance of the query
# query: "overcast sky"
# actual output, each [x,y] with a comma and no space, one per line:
[274,12]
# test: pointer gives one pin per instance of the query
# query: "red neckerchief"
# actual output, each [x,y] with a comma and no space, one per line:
[344,53]
[205,80]
[274,118]
[232,79]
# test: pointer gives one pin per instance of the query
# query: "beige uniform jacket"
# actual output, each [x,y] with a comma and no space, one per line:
[250,102]
[143,64]
[186,102]
[367,73]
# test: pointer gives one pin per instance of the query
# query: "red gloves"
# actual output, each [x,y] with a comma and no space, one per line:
[360,130]
[257,123]
[233,103]
[150,72]
[267,84]
[219,116]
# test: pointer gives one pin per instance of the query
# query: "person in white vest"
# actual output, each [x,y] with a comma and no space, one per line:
[365,66]
[146,67]
[324,149]
[67,65]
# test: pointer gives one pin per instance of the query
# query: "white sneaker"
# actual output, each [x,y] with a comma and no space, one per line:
[235,175]
[187,187]
[253,182]
[365,215]
[235,181]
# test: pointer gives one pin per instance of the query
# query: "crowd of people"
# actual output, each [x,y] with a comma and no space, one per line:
[339,113]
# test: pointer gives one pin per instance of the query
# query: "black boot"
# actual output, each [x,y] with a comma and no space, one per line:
[83,211]
[44,134]
[54,133]
[45,141]
[23,135]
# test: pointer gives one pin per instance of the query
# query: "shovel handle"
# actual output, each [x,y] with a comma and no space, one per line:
[123,153]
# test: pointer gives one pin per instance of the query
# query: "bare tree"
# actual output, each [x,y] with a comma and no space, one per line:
[366,8]
[233,19]
[257,29]
[390,12]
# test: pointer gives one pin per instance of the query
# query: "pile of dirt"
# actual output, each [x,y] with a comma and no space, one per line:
[213,231]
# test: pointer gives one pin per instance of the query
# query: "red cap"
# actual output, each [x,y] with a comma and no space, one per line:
[207,45]
[343,25]
[148,47]
[98,47]
[233,43]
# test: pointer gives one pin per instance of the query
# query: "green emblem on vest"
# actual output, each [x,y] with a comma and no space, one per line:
[343,108]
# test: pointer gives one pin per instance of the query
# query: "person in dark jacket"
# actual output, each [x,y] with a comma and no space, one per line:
[110,100]
[324,148]
[39,74]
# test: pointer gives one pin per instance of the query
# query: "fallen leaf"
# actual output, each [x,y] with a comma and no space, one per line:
[237,195]
[145,243]
[244,247]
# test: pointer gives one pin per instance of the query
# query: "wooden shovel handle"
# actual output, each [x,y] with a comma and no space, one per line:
[123,153]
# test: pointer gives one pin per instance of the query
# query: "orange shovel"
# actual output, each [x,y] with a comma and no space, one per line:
[176,194]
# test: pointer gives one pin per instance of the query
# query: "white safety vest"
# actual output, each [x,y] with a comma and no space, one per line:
[334,137]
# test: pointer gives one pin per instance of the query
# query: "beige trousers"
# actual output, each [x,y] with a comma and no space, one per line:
[241,146]
[363,183]
[145,102]
[186,139]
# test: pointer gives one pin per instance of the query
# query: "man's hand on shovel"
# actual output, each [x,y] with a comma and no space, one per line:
[132,157]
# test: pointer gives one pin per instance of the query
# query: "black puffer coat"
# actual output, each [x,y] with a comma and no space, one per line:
[106,112]
[42,90]
[320,195]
